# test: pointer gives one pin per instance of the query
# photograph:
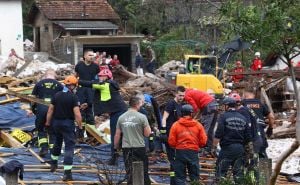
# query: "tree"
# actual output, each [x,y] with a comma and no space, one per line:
[26,5]
[274,26]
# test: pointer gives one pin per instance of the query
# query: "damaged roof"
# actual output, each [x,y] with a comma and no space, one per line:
[74,10]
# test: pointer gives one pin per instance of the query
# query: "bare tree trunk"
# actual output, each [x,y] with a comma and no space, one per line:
[295,144]
[281,159]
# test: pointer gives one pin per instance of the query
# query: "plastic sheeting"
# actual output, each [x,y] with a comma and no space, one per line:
[12,116]
[95,157]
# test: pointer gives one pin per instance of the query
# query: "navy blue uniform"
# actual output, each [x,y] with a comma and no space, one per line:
[255,132]
[234,132]
[86,95]
[261,112]
[174,110]
[64,126]
[44,89]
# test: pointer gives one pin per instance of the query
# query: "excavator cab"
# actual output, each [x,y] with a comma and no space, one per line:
[201,64]
[201,74]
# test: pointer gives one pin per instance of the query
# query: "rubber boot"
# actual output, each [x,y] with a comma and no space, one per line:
[53,166]
[43,152]
[67,175]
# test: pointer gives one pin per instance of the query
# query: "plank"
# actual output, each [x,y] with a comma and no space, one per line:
[11,141]
[91,129]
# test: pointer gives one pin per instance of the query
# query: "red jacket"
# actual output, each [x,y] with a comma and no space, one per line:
[198,99]
[187,133]
[256,64]
[114,62]
[237,78]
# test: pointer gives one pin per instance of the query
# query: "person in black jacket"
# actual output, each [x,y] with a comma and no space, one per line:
[109,100]
[45,89]
[233,133]
[262,112]
[62,114]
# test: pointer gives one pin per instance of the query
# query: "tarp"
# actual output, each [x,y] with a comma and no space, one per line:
[12,116]
[95,157]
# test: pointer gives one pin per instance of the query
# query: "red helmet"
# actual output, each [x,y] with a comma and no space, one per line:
[105,72]
[238,62]
[235,96]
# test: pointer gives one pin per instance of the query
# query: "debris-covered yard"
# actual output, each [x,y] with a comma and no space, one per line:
[92,155]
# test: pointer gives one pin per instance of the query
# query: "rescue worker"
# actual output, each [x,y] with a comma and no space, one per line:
[233,133]
[152,63]
[45,89]
[250,115]
[262,112]
[257,62]
[251,150]
[148,111]
[108,100]
[207,105]
[171,114]
[133,126]
[62,112]
[187,136]
[238,69]
[86,70]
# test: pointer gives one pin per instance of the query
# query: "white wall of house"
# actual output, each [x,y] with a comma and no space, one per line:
[11,31]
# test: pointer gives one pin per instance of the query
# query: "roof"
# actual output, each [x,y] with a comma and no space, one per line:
[87,25]
[74,10]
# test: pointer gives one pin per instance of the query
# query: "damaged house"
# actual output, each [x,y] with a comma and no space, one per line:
[66,28]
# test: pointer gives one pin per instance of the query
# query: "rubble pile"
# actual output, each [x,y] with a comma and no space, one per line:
[171,66]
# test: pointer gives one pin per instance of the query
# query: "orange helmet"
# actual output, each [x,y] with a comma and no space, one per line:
[71,80]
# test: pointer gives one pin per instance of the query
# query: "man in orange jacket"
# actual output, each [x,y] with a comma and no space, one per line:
[187,136]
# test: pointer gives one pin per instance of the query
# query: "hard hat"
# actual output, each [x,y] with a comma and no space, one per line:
[229,101]
[186,109]
[71,80]
[238,62]
[105,72]
[235,96]
[257,54]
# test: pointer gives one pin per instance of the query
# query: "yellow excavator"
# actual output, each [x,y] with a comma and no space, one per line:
[199,72]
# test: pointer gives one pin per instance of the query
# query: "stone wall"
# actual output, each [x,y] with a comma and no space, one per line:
[63,50]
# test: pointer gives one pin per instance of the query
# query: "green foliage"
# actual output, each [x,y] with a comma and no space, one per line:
[274,25]
[27,29]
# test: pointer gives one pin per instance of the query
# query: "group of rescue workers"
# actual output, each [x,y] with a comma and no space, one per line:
[240,129]
[256,65]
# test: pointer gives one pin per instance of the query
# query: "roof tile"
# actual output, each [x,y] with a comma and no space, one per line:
[77,9]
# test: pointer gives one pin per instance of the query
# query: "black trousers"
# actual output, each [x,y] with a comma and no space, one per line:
[136,154]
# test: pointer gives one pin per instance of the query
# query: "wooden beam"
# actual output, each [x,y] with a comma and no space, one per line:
[11,141]
[9,100]
[91,129]
[267,100]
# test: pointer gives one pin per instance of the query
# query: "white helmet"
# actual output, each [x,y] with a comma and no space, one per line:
[257,54]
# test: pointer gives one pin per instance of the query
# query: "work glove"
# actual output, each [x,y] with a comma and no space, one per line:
[269,132]
[151,142]
[163,135]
